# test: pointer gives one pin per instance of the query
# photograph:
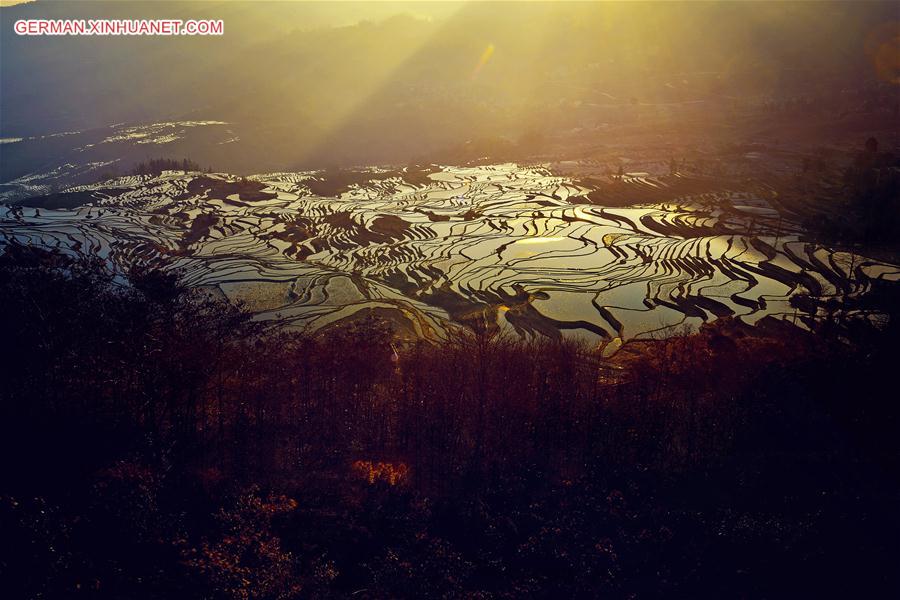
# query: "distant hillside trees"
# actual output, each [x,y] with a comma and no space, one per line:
[872,183]
[155,166]
[110,172]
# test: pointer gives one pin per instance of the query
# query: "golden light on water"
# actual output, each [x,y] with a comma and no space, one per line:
[541,240]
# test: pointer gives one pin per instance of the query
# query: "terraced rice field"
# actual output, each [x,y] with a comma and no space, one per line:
[536,253]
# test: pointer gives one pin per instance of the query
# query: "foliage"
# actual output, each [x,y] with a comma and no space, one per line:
[157,443]
[155,166]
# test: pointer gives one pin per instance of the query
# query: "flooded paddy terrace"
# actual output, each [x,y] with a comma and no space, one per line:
[534,252]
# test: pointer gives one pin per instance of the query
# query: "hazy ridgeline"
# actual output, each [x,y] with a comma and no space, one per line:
[307,85]
[737,459]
